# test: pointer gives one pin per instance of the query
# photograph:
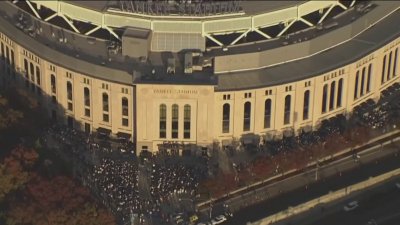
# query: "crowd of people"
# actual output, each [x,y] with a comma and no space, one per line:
[113,175]
[384,112]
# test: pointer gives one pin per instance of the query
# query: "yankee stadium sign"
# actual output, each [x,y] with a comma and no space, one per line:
[187,9]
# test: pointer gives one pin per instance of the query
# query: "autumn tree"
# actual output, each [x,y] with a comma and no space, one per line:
[8,116]
[56,201]
[15,169]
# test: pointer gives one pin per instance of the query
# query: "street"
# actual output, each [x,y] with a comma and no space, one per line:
[379,204]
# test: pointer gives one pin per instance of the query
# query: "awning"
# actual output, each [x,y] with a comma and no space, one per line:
[104,131]
[123,135]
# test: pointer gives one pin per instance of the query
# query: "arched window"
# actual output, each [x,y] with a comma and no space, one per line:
[124,104]
[389,66]
[356,86]
[163,121]
[324,98]
[53,83]
[32,72]
[226,110]
[69,90]
[267,113]
[362,82]
[8,55]
[286,116]
[26,68]
[2,50]
[306,104]
[186,121]
[12,59]
[38,75]
[105,102]
[339,93]
[369,78]
[383,70]
[332,96]
[175,119]
[246,116]
[395,62]
[86,93]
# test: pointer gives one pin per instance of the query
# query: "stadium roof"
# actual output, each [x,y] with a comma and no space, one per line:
[249,7]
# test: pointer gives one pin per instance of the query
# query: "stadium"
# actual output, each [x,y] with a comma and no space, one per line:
[192,74]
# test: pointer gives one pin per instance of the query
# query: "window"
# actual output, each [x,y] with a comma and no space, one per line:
[356,87]
[12,59]
[286,116]
[389,66]
[125,122]
[53,83]
[362,82]
[37,75]
[105,117]
[225,117]
[86,94]
[395,62]
[383,70]
[105,102]
[69,90]
[175,117]
[87,112]
[306,104]
[163,121]
[124,106]
[70,107]
[324,98]
[246,116]
[267,113]
[26,68]
[2,49]
[7,55]
[32,71]
[186,121]
[369,78]
[339,94]
[332,96]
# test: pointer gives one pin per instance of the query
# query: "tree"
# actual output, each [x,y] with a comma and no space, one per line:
[56,201]
[15,169]
[8,116]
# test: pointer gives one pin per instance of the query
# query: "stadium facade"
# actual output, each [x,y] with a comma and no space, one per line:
[191,74]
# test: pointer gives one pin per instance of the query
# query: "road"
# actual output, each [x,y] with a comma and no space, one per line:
[379,203]
[337,175]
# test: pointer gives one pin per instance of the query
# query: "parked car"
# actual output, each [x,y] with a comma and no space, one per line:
[350,206]
[219,219]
